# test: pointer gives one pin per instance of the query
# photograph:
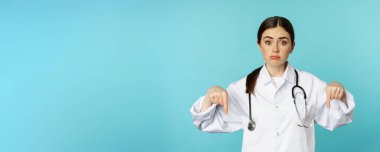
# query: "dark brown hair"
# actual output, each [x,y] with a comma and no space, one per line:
[271,22]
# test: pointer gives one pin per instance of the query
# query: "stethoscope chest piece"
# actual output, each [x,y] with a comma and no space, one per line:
[251,125]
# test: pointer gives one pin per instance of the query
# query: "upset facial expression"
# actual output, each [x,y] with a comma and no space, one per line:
[275,45]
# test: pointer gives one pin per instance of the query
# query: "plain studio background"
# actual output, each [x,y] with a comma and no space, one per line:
[112,76]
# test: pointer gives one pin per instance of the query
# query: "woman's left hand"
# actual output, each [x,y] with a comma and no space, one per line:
[335,90]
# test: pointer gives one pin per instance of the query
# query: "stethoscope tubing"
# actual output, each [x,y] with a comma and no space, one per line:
[252,123]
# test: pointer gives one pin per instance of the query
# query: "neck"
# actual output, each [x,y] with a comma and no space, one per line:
[276,71]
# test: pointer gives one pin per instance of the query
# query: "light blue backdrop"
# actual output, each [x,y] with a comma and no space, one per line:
[112,76]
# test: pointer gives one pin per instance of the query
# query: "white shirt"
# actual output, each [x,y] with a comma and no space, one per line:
[277,81]
[275,114]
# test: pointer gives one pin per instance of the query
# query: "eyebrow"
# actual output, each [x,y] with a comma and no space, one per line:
[278,38]
[283,38]
[268,37]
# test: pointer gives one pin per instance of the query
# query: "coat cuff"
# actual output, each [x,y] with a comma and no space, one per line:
[340,108]
[205,115]
[347,108]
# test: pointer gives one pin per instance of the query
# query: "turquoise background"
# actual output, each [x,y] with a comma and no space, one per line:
[112,76]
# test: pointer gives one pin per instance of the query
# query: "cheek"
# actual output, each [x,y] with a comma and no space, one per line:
[266,52]
[286,49]
[266,49]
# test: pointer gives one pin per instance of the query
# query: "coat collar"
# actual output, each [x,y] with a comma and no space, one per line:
[289,75]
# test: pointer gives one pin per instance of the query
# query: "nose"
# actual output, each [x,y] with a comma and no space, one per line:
[275,49]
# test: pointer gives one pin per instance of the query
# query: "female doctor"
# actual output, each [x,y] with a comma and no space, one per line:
[276,105]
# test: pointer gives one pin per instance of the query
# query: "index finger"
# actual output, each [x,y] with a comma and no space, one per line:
[328,100]
[225,101]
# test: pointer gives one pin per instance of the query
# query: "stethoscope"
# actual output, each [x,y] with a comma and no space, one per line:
[252,123]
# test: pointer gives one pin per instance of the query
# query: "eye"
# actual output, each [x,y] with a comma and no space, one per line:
[284,42]
[268,42]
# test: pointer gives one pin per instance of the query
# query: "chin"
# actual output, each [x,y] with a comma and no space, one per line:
[274,63]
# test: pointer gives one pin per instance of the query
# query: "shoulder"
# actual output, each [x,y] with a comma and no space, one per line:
[239,84]
[237,88]
[306,74]
[309,78]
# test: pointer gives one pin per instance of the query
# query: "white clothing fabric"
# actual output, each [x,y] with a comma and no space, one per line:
[274,112]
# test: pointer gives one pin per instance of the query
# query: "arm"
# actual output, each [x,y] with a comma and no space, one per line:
[210,111]
[335,104]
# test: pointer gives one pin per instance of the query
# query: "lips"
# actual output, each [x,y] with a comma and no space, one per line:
[275,57]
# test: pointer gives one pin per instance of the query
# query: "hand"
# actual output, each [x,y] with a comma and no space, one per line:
[218,95]
[335,90]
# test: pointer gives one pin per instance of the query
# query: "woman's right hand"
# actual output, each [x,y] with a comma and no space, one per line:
[215,95]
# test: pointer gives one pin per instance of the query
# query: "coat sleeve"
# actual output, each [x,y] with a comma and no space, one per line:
[339,113]
[214,119]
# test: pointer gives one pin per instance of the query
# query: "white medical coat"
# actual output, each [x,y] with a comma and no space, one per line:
[274,112]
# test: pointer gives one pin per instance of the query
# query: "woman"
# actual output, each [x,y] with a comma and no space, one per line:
[285,102]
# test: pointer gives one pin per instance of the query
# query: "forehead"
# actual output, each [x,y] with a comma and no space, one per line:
[276,32]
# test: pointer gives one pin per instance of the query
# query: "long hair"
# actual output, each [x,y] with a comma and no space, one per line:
[250,83]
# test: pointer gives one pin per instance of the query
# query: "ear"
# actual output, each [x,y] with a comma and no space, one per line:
[294,45]
[259,46]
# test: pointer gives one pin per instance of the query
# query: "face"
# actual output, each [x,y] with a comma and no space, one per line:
[275,45]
